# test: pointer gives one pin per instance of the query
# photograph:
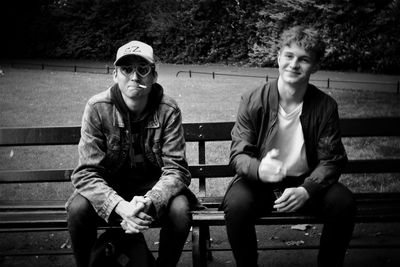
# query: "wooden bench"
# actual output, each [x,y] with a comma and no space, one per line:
[24,216]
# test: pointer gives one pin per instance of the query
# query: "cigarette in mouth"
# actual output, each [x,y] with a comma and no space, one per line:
[142,86]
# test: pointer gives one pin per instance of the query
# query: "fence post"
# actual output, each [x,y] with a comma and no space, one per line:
[108,69]
[328,83]
[213,74]
[190,73]
[42,66]
[266,78]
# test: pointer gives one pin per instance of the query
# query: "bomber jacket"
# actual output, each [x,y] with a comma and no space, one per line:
[256,124]
[104,147]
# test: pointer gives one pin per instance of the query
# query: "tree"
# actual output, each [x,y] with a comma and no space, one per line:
[360,35]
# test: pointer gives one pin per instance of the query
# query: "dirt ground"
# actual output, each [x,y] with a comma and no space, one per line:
[295,242]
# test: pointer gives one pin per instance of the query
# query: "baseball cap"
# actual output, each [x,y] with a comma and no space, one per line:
[135,48]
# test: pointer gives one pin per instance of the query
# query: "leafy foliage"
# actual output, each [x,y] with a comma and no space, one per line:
[360,35]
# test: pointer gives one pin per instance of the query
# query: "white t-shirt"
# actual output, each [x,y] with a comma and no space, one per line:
[289,140]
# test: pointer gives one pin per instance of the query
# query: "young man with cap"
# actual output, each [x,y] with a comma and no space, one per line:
[288,155]
[132,166]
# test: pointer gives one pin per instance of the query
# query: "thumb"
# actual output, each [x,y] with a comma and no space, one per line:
[139,206]
[285,195]
[273,153]
[138,199]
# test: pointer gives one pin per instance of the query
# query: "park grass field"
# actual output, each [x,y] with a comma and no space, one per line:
[34,97]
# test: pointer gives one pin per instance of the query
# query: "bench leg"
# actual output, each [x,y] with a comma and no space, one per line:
[199,246]
[206,232]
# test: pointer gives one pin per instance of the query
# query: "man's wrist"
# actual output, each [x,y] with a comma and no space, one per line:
[148,201]
[305,192]
[119,207]
[150,208]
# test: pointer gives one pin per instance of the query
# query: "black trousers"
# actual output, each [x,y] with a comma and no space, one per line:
[176,222]
[246,201]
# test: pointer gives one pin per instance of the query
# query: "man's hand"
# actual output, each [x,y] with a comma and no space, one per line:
[127,209]
[134,217]
[144,200]
[292,199]
[271,170]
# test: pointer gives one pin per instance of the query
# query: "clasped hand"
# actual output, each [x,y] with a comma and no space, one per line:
[134,214]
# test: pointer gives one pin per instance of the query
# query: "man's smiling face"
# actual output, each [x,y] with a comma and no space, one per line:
[296,64]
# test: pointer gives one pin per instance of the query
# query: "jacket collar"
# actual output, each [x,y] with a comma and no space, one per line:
[152,120]
[273,99]
[118,120]
[308,99]
[120,109]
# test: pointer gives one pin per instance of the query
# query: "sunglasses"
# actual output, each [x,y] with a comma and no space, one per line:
[141,70]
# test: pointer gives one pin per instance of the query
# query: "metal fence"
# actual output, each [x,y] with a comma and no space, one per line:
[326,83]
[74,68]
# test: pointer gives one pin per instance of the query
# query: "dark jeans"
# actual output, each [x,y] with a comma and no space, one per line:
[83,222]
[245,201]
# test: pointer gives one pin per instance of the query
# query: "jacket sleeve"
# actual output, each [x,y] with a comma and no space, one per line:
[89,177]
[244,153]
[331,155]
[175,176]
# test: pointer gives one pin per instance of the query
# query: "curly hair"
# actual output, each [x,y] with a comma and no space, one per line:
[307,38]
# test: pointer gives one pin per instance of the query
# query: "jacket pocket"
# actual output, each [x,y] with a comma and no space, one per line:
[114,149]
[154,154]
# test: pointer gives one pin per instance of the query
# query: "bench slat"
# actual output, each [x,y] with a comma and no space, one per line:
[31,219]
[57,219]
[194,132]
[373,166]
[382,198]
[35,176]
[14,205]
[383,206]
[211,131]
[31,136]
[218,219]
[389,126]
[197,171]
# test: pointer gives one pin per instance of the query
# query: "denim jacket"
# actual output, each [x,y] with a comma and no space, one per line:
[256,125]
[104,147]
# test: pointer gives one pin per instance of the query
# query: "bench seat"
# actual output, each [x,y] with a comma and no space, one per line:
[51,215]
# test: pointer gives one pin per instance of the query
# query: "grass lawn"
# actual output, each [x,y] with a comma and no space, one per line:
[55,98]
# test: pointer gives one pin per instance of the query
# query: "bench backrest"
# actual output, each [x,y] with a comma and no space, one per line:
[194,132]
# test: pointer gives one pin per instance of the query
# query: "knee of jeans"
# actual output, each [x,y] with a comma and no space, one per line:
[79,208]
[179,211]
[348,207]
[237,207]
[343,205]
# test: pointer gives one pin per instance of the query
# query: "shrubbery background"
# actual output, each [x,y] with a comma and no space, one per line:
[362,35]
